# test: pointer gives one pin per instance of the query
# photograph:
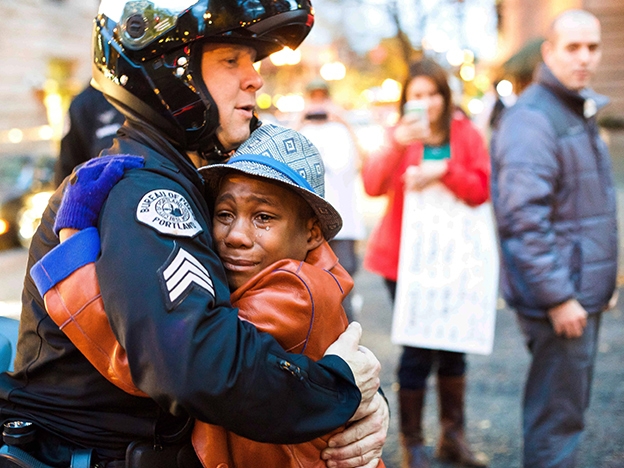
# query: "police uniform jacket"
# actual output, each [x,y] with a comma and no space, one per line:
[93,124]
[167,300]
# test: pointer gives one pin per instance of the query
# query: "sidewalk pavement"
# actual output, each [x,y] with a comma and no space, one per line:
[495,385]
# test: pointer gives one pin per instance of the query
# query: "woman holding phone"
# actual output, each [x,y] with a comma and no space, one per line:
[432,142]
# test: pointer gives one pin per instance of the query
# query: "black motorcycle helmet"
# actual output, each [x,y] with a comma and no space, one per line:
[147,56]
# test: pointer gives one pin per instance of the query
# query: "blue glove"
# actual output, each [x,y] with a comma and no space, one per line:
[88,189]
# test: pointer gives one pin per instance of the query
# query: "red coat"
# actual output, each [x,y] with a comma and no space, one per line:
[467,177]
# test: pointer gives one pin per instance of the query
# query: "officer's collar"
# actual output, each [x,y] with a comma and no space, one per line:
[147,135]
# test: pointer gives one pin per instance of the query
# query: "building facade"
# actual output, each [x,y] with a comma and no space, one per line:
[523,20]
[45,52]
[45,49]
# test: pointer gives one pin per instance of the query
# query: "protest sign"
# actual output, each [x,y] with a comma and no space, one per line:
[447,286]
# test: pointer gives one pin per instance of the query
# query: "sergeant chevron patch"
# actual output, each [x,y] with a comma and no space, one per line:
[180,274]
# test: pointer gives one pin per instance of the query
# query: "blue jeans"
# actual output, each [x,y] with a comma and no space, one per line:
[556,392]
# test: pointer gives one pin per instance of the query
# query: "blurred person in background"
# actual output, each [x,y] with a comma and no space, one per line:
[92,124]
[164,287]
[519,72]
[555,205]
[449,149]
[331,134]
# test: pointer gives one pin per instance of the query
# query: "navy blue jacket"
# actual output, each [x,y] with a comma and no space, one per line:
[554,200]
[167,299]
[93,124]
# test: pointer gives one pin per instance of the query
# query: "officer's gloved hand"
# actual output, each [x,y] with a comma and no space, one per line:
[88,189]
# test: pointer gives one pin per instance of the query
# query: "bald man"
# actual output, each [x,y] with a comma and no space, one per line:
[554,201]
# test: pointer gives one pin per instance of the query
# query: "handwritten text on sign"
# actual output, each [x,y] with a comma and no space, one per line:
[448,274]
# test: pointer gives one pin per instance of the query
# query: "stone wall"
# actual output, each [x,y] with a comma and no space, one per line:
[523,20]
[610,77]
[36,34]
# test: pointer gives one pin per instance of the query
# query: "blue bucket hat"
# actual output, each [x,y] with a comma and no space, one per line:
[284,155]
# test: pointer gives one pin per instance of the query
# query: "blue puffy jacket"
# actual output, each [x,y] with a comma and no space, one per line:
[554,200]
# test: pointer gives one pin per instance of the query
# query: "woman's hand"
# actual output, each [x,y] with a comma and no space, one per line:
[417,178]
[411,129]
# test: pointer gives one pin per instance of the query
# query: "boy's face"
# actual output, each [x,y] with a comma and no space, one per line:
[257,222]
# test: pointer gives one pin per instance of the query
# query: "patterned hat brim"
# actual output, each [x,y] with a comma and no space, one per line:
[329,218]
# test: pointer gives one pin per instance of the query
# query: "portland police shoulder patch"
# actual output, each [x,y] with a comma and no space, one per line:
[168,212]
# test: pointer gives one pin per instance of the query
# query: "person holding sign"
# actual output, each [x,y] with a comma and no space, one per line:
[433,143]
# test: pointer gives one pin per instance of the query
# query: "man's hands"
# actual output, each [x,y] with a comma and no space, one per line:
[359,445]
[568,319]
[613,301]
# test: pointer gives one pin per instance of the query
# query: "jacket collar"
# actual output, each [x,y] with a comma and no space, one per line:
[585,103]
[148,136]
[323,257]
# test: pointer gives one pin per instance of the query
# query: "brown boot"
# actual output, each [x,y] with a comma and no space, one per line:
[411,404]
[453,445]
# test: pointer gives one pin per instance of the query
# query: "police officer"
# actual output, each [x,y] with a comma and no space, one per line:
[182,73]
[93,123]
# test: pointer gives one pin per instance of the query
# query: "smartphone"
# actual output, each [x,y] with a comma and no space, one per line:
[319,115]
[419,108]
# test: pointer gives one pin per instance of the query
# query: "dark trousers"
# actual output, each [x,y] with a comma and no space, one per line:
[416,364]
[557,392]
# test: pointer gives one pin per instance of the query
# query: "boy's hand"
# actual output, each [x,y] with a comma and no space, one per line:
[88,189]
[363,363]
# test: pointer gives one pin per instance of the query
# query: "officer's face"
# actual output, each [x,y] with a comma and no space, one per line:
[257,223]
[232,81]
[573,51]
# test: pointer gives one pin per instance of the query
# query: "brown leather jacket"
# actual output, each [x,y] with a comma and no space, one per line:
[299,303]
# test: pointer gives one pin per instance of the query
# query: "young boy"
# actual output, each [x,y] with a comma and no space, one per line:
[270,229]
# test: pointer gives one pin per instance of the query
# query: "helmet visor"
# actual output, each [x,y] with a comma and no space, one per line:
[140,25]
[141,22]
[113,9]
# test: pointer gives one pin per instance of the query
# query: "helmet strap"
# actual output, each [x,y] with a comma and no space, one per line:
[218,154]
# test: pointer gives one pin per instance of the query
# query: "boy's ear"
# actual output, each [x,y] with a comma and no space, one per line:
[315,234]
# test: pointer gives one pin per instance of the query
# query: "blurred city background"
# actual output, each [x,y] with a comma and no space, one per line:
[361,48]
